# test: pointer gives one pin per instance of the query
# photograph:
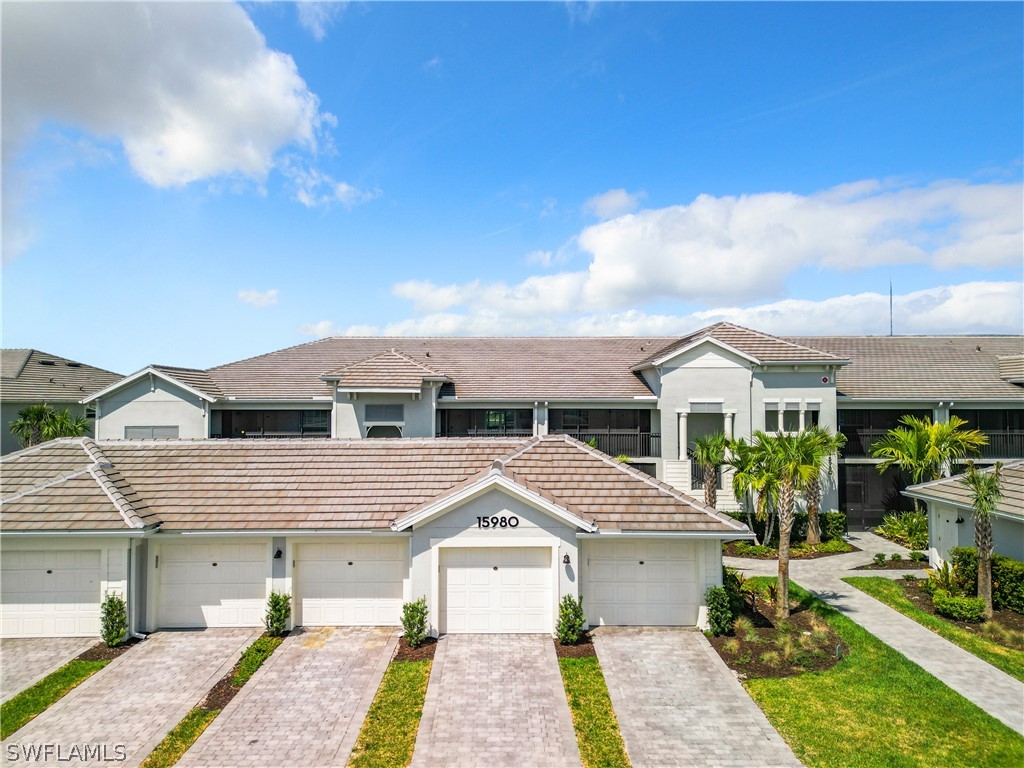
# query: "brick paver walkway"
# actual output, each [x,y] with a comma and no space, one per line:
[678,704]
[24,661]
[305,705]
[496,701]
[996,692]
[136,699]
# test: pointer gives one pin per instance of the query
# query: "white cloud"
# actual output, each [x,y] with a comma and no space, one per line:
[316,15]
[259,299]
[191,91]
[544,258]
[320,330]
[432,64]
[614,202]
[977,307]
[313,187]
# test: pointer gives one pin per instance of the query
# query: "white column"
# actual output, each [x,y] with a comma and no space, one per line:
[802,412]
[682,435]
[779,415]
[728,424]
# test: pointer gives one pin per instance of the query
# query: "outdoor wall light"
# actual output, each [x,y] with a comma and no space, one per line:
[565,559]
[959,520]
[278,555]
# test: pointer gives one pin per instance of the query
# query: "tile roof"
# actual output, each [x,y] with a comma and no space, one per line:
[322,484]
[193,377]
[951,491]
[387,370]
[922,367]
[31,376]
[760,346]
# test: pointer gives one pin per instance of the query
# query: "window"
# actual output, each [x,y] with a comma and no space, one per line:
[383,430]
[790,420]
[771,417]
[575,418]
[385,412]
[150,433]
[315,421]
[501,420]
[812,415]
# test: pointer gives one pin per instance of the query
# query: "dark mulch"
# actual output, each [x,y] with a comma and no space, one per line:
[100,651]
[812,650]
[920,597]
[425,652]
[730,550]
[223,690]
[894,565]
[584,649]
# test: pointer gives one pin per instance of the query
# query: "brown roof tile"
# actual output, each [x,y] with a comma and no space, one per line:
[951,491]
[760,346]
[31,376]
[387,370]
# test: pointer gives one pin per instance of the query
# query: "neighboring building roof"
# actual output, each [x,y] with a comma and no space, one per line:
[325,484]
[31,376]
[951,491]
[1011,368]
[186,378]
[387,370]
[758,346]
[192,377]
[922,367]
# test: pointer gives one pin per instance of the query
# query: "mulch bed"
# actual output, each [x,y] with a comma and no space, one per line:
[223,691]
[894,565]
[810,653]
[424,653]
[921,598]
[584,649]
[730,550]
[100,651]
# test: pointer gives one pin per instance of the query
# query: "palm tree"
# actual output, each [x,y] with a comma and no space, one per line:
[924,450]
[38,423]
[709,453]
[985,494]
[756,475]
[826,444]
[797,466]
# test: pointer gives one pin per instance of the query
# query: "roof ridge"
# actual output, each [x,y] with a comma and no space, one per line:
[101,470]
[48,484]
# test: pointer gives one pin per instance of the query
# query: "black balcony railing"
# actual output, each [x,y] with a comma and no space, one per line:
[697,476]
[619,442]
[1002,444]
[257,435]
[497,432]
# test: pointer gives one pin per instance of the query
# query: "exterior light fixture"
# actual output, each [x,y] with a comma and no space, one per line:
[565,559]
[278,555]
[959,520]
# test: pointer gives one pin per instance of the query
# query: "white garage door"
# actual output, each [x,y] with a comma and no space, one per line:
[50,593]
[641,583]
[213,584]
[351,584]
[499,589]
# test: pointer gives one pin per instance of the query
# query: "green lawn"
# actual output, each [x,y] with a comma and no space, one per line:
[35,700]
[388,735]
[892,594]
[178,741]
[597,729]
[877,709]
[253,658]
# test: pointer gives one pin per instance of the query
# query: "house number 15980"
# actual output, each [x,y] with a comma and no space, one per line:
[497,522]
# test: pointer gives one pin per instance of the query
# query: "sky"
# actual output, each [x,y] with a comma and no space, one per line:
[192,184]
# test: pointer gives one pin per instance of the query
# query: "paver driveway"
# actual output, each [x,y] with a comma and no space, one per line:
[496,701]
[305,705]
[678,704]
[24,661]
[129,706]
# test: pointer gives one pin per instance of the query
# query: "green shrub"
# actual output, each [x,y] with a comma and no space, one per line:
[896,557]
[279,611]
[958,608]
[113,620]
[909,577]
[909,529]
[834,545]
[945,579]
[1007,577]
[253,658]
[571,620]
[833,525]
[414,622]
[719,613]
[919,557]
[879,558]
[733,581]
[746,549]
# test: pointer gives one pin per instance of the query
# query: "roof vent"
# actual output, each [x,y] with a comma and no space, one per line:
[47,362]
[70,364]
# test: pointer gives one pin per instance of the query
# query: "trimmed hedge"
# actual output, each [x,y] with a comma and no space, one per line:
[719,612]
[959,608]
[833,526]
[1007,577]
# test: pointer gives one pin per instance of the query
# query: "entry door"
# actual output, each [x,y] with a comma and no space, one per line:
[213,584]
[50,593]
[496,590]
[641,583]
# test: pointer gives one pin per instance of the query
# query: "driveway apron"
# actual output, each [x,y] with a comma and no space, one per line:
[24,661]
[496,701]
[305,705]
[130,705]
[678,704]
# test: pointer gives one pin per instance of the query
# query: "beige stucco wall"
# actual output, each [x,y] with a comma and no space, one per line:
[349,417]
[150,402]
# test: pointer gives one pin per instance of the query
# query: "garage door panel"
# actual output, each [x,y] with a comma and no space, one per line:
[367,592]
[50,593]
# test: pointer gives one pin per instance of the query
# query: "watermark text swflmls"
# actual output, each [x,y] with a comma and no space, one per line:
[66,753]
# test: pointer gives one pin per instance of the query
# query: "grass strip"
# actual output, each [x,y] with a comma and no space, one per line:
[38,698]
[593,718]
[388,735]
[253,658]
[892,594]
[877,709]
[177,742]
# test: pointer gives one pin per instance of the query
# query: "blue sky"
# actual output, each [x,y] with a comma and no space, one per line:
[194,184]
